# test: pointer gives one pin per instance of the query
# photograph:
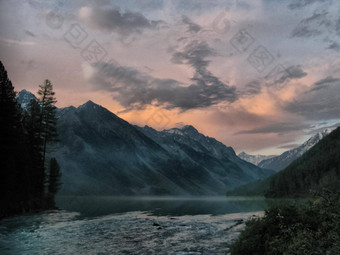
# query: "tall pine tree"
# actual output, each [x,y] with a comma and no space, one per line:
[33,127]
[24,136]
[13,172]
[48,115]
[48,134]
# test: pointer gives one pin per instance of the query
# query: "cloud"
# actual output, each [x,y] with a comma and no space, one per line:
[194,54]
[275,128]
[326,81]
[313,25]
[192,27]
[321,102]
[280,76]
[10,41]
[289,146]
[286,74]
[323,23]
[295,72]
[253,88]
[114,20]
[135,90]
[298,4]
[322,127]
[29,33]
[334,46]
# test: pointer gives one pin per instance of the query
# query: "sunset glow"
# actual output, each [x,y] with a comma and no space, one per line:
[174,45]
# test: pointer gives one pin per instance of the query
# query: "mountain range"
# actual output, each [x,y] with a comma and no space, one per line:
[254,159]
[317,168]
[282,161]
[102,154]
[277,163]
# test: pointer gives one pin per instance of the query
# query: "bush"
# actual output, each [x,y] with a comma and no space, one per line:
[312,228]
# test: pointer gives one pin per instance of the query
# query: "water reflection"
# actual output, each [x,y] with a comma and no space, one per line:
[160,206]
[129,225]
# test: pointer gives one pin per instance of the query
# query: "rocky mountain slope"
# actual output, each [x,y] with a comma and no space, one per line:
[254,159]
[24,97]
[101,154]
[282,161]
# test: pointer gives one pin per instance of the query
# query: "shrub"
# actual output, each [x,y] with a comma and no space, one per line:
[312,228]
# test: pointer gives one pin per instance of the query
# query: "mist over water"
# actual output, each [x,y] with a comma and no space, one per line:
[159,206]
[130,225]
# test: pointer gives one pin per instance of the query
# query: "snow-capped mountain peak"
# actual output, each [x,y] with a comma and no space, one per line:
[282,161]
[24,97]
[254,159]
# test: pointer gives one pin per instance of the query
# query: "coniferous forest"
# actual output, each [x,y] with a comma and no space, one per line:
[317,168]
[304,228]
[29,178]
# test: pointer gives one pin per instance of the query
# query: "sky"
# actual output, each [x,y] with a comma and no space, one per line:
[261,76]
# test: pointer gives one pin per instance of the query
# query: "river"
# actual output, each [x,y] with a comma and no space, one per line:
[130,225]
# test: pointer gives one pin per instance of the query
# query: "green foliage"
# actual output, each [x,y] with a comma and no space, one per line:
[23,139]
[14,167]
[48,121]
[318,167]
[312,228]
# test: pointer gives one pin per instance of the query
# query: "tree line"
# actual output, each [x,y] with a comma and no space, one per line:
[29,179]
[318,168]
[299,228]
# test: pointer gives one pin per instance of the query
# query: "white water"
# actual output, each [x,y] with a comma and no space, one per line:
[162,226]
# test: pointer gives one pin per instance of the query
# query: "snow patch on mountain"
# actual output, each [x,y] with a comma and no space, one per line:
[254,159]
[282,161]
[24,97]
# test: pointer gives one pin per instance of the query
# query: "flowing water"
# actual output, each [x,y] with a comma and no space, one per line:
[130,225]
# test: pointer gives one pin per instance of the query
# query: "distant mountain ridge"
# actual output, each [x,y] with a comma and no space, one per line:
[254,159]
[102,154]
[24,97]
[187,143]
[111,156]
[318,167]
[282,161]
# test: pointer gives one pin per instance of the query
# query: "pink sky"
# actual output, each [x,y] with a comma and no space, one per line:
[171,50]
